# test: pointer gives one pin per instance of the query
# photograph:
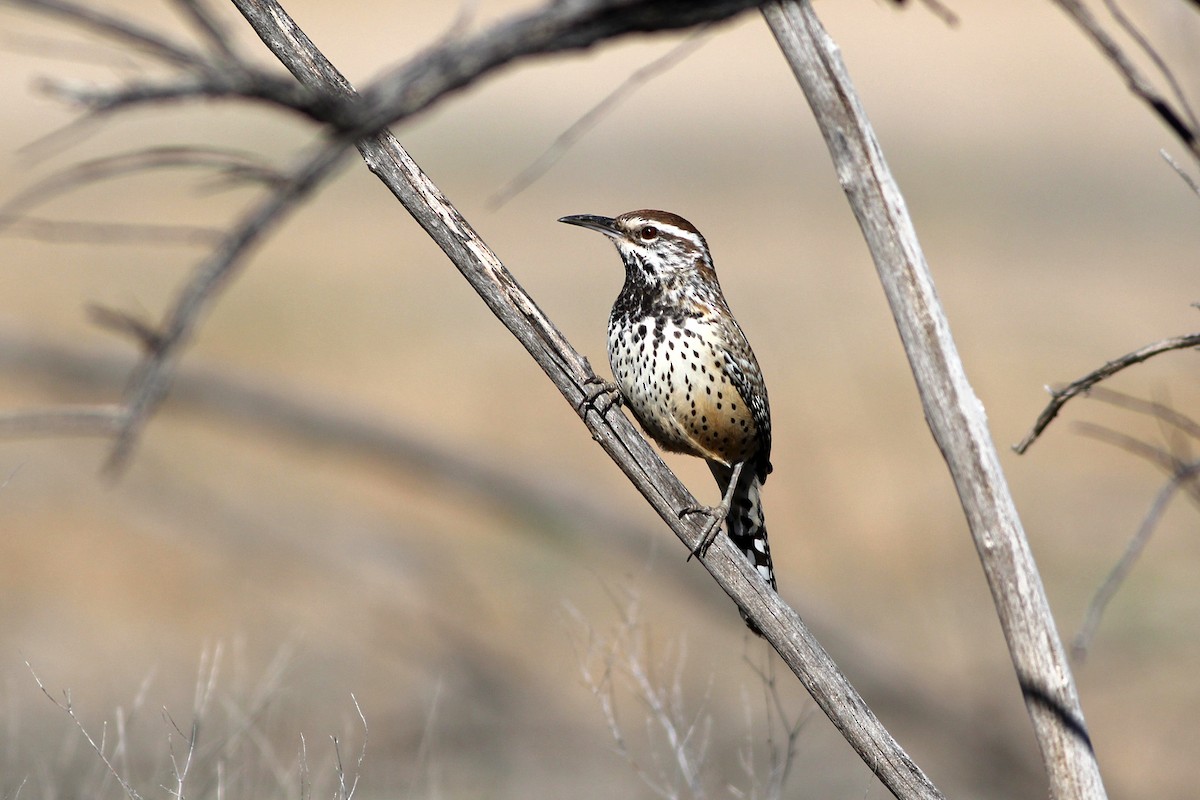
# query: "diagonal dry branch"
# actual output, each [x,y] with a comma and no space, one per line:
[571,373]
[953,412]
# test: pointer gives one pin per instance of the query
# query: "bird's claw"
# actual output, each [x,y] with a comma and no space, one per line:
[599,395]
[715,514]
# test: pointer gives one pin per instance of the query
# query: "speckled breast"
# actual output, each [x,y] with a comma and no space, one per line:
[674,377]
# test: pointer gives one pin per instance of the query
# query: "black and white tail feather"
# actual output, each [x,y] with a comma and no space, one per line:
[745,522]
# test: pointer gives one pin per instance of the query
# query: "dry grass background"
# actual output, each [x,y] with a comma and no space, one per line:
[1058,240]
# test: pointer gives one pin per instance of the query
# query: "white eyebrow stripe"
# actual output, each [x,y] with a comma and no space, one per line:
[668,229]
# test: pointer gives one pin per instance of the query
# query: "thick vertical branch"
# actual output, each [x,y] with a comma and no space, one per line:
[954,413]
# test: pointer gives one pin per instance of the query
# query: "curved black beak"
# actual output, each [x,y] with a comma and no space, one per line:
[606,225]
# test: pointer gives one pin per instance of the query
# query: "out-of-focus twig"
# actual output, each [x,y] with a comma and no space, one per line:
[229,164]
[592,117]
[1181,172]
[1177,119]
[1095,612]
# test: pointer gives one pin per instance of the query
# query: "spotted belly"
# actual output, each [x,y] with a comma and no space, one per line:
[674,379]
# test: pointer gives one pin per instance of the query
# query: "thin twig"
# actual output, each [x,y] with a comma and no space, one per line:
[1150,52]
[231,163]
[97,747]
[1059,397]
[108,233]
[153,377]
[1137,83]
[1181,172]
[1133,550]
[118,29]
[592,117]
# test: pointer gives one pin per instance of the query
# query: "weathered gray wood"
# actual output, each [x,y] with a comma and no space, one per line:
[571,373]
[954,413]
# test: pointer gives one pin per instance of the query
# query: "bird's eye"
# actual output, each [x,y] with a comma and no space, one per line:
[649,233]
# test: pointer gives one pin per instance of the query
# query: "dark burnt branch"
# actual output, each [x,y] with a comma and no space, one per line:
[1059,397]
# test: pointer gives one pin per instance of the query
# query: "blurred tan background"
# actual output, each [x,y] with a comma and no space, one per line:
[457,612]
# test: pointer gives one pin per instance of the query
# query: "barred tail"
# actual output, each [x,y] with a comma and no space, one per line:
[745,523]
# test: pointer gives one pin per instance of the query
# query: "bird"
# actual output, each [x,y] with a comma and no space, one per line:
[684,368]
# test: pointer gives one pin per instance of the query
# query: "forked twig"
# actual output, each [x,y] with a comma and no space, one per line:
[66,706]
[1059,397]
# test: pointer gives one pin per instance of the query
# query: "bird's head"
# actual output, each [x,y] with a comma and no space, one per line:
[656,246]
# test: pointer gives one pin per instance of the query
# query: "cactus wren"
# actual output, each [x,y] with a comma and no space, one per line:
[686,371]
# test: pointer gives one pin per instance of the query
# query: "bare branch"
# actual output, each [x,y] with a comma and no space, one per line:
[571,374]
[1137,83]
[153,376]
[208,26]
[592,117]
[216,83]
[1181,172]
[953,412]
[1143,43]
[100,421]
[81,232]
[229,163]
[1133,550]
[1059,397]
[414,86]
[119,29]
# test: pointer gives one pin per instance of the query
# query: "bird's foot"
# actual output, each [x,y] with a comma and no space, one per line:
[599,395]
[716,515]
